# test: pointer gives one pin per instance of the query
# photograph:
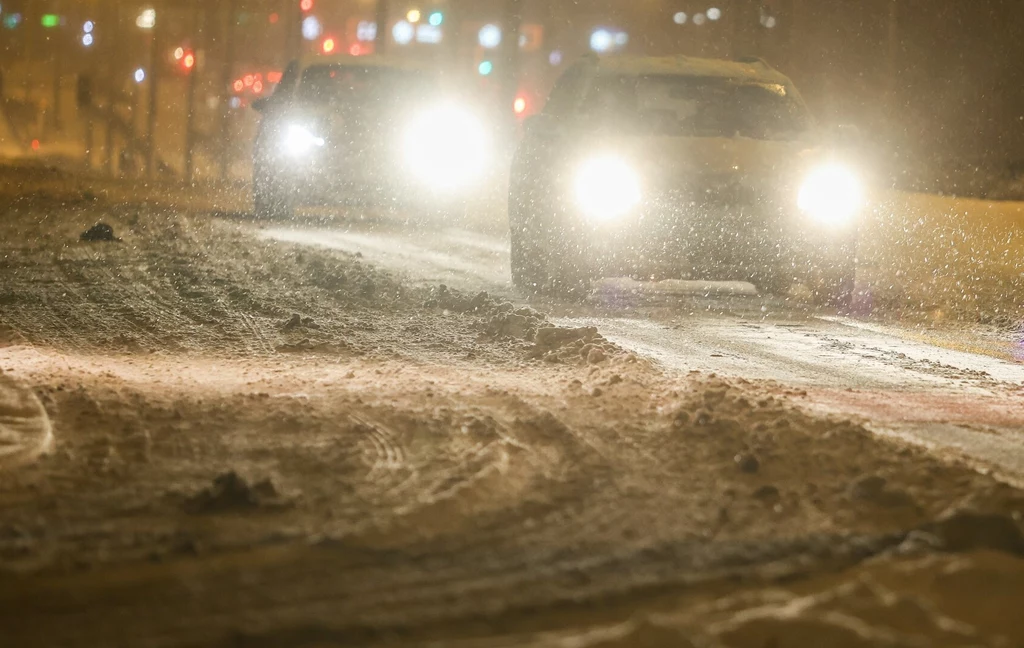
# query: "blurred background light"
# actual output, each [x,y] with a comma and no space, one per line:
[403,32]
[146,19]
[489,36]
[601,40]
[311,28]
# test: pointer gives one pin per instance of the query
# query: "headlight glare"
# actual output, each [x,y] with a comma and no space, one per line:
[607,188]
[298,141]
[831,195]
[445,147]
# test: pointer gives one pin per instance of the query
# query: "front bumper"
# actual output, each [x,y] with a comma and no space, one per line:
[710,235]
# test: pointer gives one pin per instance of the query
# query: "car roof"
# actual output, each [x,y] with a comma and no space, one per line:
[368,61]
[750,69]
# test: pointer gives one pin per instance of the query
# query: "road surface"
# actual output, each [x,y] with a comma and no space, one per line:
[909,382]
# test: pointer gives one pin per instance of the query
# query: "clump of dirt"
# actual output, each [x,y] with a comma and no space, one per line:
[232,492]
[100,232]
[298,321]
[458,302]
[583,345]
[507,321]
[503,320]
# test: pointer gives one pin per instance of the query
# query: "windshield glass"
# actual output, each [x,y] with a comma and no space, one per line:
[695,107]
[367,86]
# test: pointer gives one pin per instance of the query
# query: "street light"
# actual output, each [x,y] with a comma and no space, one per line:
[146,19]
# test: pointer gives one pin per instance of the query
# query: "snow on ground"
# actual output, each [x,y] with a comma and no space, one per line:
[262,442]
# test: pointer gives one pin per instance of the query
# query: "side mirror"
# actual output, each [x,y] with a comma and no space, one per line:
[260,105]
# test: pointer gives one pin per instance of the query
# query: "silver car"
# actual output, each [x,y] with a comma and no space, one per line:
[681,168]
[362,129]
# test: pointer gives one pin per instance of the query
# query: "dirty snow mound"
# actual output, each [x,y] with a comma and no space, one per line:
[25,431]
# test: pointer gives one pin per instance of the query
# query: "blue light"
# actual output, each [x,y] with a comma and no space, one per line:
[311,28]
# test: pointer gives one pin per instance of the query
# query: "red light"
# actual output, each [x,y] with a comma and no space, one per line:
[257,87]
[248,80]
[189,61]
[329,45]
[519,105]
[239,85]
[273,18]
[35,145]
[356,49]
[274,77]
[306,5]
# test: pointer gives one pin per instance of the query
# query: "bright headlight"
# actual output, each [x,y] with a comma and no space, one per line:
[831,195]
[298,141]
[445,147]
[607,188]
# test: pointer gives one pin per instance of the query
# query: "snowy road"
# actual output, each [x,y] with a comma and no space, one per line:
[909,382]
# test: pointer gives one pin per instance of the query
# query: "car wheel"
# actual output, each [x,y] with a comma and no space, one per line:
[542,260]
[271,200]
[775,281]
[834,285]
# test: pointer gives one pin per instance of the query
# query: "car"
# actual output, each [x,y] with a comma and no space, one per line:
[364,129]
[683,168]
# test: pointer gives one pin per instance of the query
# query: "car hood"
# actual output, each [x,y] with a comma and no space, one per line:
[678,162]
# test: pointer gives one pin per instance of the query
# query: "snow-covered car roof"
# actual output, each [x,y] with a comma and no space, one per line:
[370,61]
[746,69]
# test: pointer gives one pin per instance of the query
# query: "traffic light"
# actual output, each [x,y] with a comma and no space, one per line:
[485,68]
[306,5]
[436,18]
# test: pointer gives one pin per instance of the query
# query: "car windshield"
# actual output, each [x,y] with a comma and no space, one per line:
[359,86]
[695,107]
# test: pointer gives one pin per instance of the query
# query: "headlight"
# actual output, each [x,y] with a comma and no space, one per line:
[298,141]
[831,195]
[607,188]
[445,147]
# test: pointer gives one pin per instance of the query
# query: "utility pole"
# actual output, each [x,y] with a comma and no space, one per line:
[198,25]
[892,61]
[380,40]
[154,96]
[108,46]
[226,74]
[746,16]
[57,47]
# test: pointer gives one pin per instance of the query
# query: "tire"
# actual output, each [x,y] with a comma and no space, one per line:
[774,281]
[543,260]
[271,200]
[834,286]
